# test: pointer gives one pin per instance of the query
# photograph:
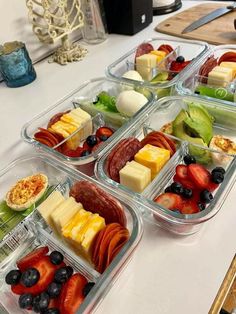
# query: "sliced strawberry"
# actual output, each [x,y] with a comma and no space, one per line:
[46,270]
[200,176]
[72,294]
[104,131]
[71,153]
[96,146]
[212,186]
[189,207]
[169,200]
[177,66]
[182,172]
[31,258]
[86,147]
[187,184]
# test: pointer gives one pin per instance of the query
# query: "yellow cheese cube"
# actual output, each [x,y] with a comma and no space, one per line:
[135,176]
[145,65]
[230,65]
[152,157]
[159,54]
[220,76]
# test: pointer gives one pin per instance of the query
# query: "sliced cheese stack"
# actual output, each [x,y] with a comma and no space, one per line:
[81,230]
[49,205]
[135,176]
[230,65]
[70,122]
[220,76]
[145,65]
[152,157]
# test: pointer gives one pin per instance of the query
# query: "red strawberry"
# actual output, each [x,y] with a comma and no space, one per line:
[212,186]
[177,66]
[71,153]
[200,176]
[189,207]
[187,184]
[182,171]
[104,131]
[72,294]
[31,258]
[169,200]
[46,270]
[86,147]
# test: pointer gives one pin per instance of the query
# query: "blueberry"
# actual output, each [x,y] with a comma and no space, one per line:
[30,277]
[69,270]
[177,188]
[218,169]
[91,140]
[189,159]
[85,153]
[187,193]
[206,196]
[25,301]
[180,59]
[87,288]
[61,275]
[13,277]
[168,189]
[54,289]
[201,206]
[52,310]
[56,258]
[217,177]
[103,138]
[41,302]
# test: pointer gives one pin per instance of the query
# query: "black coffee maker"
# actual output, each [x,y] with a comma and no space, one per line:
[127,17]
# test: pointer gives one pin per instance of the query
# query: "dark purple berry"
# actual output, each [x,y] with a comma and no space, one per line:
[30,277]
[87,288]
[25,301]
[56,258]
[13,277]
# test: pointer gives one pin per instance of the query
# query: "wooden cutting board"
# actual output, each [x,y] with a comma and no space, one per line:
[218,32]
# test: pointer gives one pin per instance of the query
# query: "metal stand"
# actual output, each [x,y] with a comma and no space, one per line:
[168,9]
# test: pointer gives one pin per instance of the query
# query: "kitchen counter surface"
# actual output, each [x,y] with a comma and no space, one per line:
[167,274]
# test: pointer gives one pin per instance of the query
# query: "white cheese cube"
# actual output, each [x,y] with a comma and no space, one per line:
[145,65]
[220,76]
[135,176]
[230,65]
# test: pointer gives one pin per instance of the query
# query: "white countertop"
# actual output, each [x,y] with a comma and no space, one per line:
[167,274]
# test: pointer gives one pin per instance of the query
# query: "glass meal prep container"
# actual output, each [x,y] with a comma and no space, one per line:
[84,97]
[162,78]
[197,82]
[168,109]
[33,232]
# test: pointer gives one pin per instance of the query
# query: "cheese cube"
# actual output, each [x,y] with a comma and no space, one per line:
[49,205]
[152,157]
[64,212]
[230,65]
[159,54]
[135,176]
[145,65]
[220,76]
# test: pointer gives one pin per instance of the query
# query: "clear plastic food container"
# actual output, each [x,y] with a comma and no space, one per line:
[169,108]
[83,98]
[163,79]
[197,81]
[33,232]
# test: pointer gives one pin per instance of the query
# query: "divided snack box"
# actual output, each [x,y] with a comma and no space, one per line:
[176,221]
[33,232]
[218,88]
[163,77]
[101,115]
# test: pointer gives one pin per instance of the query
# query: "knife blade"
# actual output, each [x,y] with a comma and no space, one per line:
[209,17]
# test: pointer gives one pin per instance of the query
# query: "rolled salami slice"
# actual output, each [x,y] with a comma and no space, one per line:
[95,200]
[113,151]
[122,155]
[143,49]
[56,118]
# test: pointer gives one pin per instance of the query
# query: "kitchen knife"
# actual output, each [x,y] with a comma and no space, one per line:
[209,17]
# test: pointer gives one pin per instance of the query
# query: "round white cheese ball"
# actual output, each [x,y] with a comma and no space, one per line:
[133,75]
[129,102]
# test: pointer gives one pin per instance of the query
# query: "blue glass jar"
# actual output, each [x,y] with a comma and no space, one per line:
[15,65]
